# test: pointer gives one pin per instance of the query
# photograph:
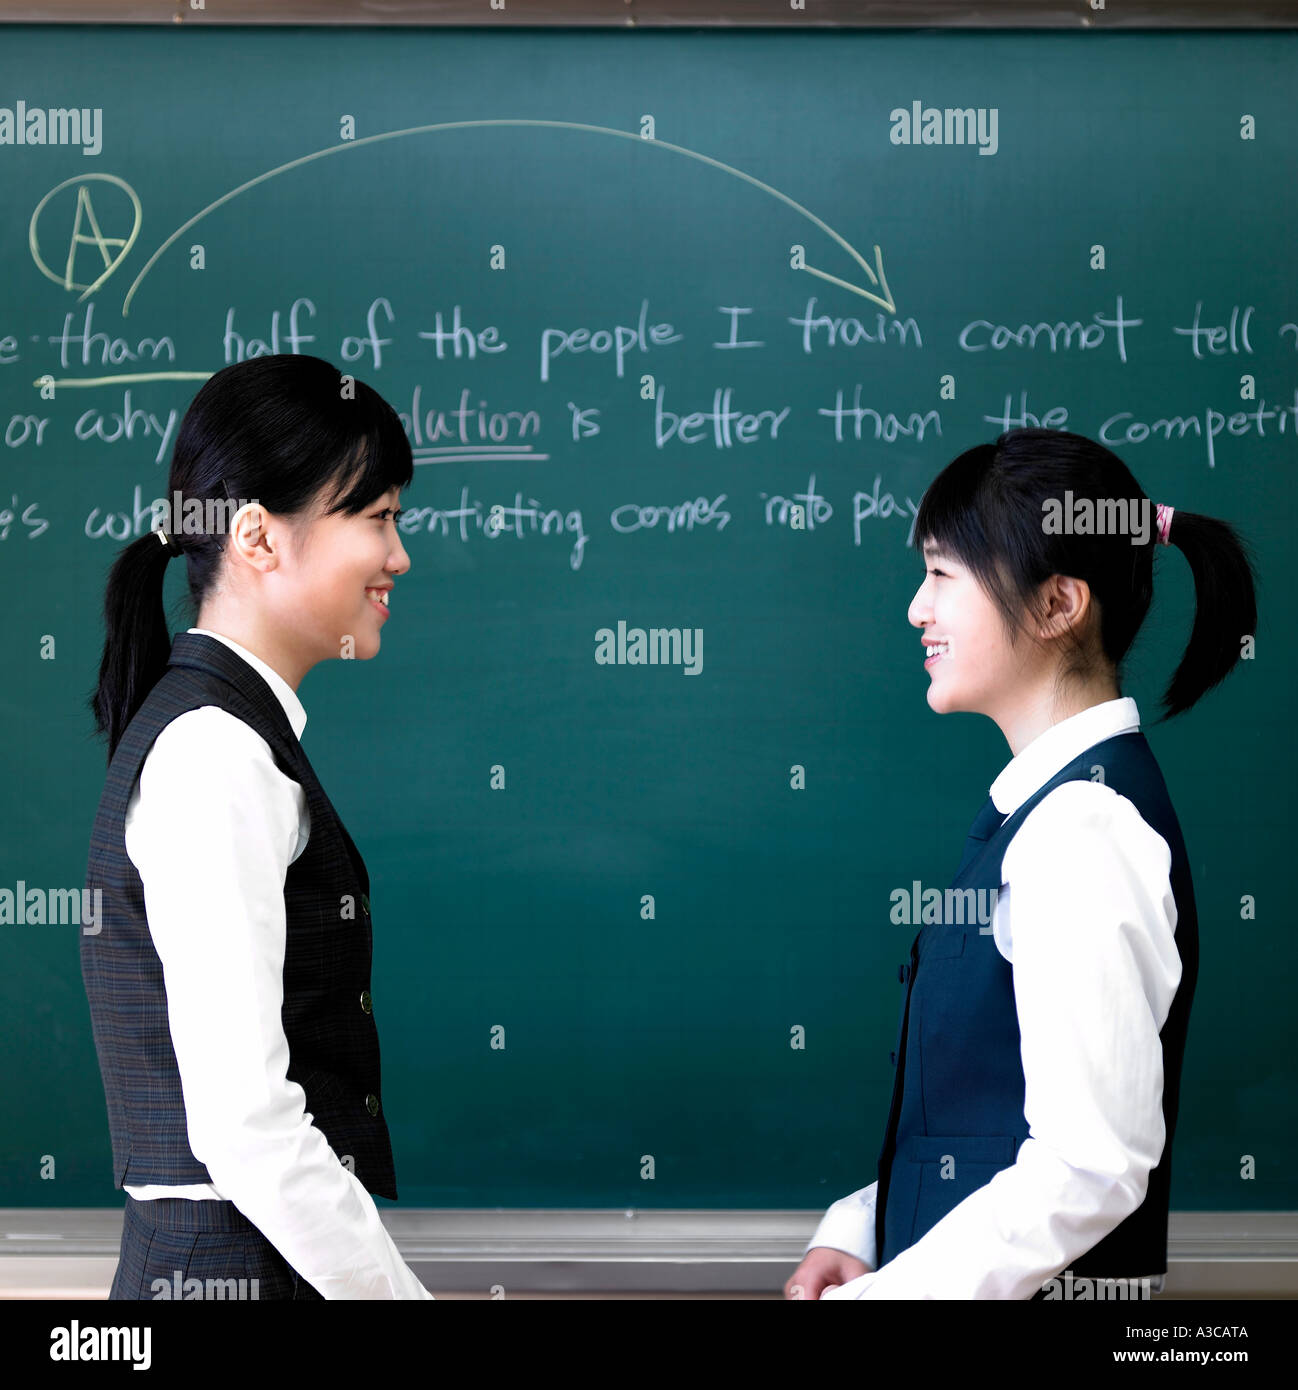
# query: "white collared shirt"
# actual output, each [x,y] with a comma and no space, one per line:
[214,893]
[1092,942]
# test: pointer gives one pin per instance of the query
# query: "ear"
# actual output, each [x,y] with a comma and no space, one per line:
[253,535]
[1067,604]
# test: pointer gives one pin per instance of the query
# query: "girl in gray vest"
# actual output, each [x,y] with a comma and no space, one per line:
[229,985]
[1027,1151]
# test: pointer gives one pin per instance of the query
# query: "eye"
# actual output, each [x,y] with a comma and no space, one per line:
[386,512]
[941,572]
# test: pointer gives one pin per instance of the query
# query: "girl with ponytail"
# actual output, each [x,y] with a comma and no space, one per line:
[1038,1055]
[229,986]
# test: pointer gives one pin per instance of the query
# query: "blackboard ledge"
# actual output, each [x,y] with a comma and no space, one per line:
[71,1252]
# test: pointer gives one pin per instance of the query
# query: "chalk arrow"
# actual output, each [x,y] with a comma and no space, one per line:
[880,294]
[879,280]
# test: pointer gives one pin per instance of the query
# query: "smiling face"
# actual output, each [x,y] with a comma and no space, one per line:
[977,669]
[317,578]
[298,590]
[339,567]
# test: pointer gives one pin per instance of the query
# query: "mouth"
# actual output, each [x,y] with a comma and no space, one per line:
[379,599]
[937,650]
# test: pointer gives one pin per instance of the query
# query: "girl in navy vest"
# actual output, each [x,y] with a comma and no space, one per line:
[1038,1053]
[229,984]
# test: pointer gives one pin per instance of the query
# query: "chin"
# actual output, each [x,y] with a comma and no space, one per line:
[940,701]
[364,647]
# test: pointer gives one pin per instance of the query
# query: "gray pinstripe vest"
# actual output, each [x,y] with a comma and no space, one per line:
[332,1040]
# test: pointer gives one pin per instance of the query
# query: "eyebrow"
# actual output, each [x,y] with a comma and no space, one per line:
[931,548]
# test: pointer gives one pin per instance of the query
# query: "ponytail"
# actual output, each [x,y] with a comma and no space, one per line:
[1225,611]
[138,642]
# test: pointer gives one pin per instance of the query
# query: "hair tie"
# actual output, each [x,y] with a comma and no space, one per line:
[169,541]
[1164,521]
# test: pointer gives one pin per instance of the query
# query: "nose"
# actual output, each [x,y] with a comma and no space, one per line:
[399,555]
[920,611]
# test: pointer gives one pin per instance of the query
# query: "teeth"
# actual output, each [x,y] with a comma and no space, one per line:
[939,649]
[379,595]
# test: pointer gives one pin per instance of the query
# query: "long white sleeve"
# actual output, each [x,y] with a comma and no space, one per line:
[848,1225]
[212,834]
[1092,928]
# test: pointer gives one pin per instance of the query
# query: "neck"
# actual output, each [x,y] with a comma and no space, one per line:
[1042,708]
[253,636]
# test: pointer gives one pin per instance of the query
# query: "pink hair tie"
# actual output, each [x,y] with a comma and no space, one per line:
[1164,516]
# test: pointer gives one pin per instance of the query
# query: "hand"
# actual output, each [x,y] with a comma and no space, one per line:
[823,1268]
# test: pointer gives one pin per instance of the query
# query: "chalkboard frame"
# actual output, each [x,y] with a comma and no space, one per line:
[640,14]
[240,12]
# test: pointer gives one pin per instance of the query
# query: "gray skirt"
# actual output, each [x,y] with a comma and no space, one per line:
[175,1248]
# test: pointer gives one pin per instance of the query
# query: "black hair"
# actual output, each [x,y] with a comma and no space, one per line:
[283,430]
[988,509]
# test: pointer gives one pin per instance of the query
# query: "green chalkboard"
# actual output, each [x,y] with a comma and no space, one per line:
[533,224]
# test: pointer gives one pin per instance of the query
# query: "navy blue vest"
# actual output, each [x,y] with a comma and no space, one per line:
[327,1015]
[959,1088]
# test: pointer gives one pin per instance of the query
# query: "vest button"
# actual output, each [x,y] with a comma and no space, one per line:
[372,1103]
[365,904]
[366,1003]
